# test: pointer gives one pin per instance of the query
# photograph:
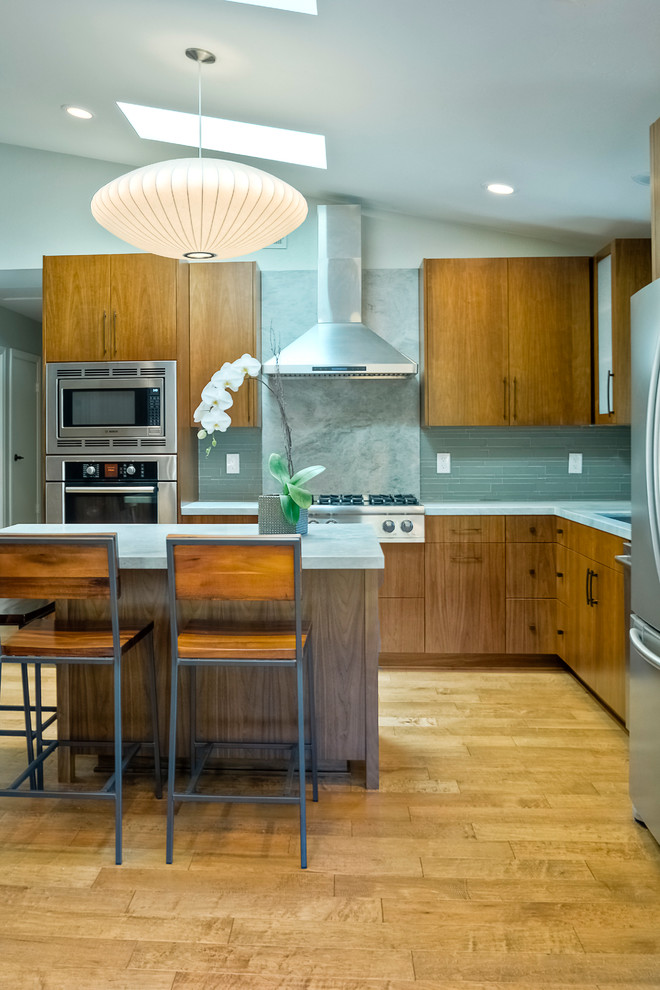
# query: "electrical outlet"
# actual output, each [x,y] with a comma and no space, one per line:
[233,464]
[575,463]
[443,464]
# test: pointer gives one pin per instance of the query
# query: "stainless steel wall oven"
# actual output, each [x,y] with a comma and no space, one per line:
[90,491]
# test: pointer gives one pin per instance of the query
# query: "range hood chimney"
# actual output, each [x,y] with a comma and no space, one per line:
[340,345]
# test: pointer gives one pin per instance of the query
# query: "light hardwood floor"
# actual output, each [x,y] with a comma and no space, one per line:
[499,854]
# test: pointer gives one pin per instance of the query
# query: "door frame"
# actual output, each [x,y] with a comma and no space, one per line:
[36,360]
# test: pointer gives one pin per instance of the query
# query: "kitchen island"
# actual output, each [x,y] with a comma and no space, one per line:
[342,570]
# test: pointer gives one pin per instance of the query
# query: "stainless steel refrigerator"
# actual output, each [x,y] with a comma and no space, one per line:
[644,696]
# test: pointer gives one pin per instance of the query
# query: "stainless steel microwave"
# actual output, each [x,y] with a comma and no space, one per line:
[121,406]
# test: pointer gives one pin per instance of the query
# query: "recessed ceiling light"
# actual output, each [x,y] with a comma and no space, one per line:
[77,112]
[297,6]
[500,188]
[231,136]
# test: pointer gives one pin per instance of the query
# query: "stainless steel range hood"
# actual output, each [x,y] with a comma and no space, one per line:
[340,345]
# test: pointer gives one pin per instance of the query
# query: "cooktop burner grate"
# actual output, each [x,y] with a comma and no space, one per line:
[381,499]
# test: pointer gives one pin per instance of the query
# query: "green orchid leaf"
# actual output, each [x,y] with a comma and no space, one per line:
[277,467]
[300,477]
[290,510]
[300,496]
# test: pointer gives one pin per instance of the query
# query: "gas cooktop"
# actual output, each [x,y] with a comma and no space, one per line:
[384,500]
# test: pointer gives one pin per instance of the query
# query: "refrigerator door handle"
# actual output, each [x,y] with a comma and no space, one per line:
[652,658]
[652,438]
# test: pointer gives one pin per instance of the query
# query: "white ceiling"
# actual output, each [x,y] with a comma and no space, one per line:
[421,101]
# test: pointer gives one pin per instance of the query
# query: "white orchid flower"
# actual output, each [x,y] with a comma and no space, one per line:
[247,365]
[201,408]
[227,377]
[216,397]
[215,419]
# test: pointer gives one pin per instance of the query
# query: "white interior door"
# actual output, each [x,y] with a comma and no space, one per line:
[23,459]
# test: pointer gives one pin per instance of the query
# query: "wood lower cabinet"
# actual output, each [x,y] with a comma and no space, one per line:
[224,324]
[593,622]
[110,308]
[465,584]
[507,341]
[531,623]
[401,599]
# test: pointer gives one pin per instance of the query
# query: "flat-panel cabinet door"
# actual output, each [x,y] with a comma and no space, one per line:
[143,319]
[609,638]
[465,603]
[465,342]
[531,625]
[550,341]
[224,324]
[77,312]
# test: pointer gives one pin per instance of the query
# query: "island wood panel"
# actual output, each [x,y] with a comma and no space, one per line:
[76,308]
[631,271]
[234,704]
[465,328]
[531,625]
[224,325]
[465,601]
[550,341]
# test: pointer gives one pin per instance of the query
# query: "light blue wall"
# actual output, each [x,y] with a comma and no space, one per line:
[19,332]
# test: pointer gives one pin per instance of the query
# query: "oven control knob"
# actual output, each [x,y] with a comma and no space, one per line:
[388,526]
[90,470]
[406,526]
[130,469]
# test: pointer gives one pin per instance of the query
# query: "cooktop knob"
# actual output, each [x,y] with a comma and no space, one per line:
[90,470]
[406,526]
[130,469]
[388,526]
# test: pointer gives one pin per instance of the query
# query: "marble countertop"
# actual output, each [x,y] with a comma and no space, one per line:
[143,546]
[586,512]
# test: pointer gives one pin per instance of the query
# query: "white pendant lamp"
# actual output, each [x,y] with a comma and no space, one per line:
[199,208]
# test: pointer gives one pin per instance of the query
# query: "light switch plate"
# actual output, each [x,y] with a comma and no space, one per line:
[233,464]
[443,464]
[575,463]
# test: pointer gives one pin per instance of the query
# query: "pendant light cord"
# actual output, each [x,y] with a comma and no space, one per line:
[199,103]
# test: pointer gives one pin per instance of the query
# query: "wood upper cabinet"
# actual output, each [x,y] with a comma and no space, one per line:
[549,341]
[506,341]
[465,584]
[465,341]
[224,324]
[110,308]
[620,270]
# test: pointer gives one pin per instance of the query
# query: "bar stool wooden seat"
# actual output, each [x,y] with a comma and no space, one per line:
[73,567]
[18,612]
[247,571]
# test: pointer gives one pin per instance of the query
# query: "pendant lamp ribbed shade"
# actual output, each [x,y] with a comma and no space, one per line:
[199,207]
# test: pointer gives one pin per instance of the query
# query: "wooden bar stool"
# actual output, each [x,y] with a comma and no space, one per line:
[247,571]
[70,567]
[18,612]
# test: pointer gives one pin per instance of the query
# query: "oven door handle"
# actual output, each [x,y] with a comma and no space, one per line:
[108,490]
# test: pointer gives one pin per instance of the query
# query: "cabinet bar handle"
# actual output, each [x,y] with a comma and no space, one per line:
[468,529]
[586,590]
[114,334]
[105,342]
[560,573]
[594,601]
[515,398]
[506,392]
[610,376]
[466,560]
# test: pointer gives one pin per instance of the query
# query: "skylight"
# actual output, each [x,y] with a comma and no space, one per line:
[231,136]
[298,6]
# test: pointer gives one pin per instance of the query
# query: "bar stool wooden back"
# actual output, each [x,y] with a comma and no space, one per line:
[70,567]
[244,571]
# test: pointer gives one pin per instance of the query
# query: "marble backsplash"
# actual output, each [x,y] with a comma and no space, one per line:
[365,432]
